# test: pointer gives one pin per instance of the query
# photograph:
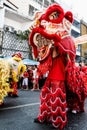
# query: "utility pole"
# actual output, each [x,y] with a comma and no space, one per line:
[2,12]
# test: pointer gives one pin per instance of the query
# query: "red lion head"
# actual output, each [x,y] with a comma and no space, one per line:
[49,28]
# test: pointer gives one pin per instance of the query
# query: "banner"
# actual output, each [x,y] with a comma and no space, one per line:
[81,39]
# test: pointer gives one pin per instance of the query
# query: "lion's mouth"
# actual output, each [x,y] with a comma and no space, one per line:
[40,41]
[43,45]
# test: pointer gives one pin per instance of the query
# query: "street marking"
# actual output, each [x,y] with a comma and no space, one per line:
[20,106]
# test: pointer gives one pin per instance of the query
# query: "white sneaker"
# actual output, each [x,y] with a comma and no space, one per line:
[74,111]
[67,109]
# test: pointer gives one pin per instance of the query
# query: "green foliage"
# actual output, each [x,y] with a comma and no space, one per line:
[23,35]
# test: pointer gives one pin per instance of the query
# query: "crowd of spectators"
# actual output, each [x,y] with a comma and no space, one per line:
[30,80]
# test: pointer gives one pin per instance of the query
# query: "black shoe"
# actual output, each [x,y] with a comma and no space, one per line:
[36,120]
[14,95]
[9,94]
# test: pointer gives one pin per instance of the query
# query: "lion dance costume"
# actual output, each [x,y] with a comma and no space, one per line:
[17,68]
[4,80]
[10,70]
[54,47]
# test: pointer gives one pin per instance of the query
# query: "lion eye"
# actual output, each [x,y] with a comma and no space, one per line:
[54,15]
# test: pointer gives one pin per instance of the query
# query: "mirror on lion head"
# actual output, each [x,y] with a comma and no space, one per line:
[53,15]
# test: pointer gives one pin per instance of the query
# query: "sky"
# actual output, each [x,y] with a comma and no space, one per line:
[79,7]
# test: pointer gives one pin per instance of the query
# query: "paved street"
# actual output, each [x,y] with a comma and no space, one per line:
[18,114]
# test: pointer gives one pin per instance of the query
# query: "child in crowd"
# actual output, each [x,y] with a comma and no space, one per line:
[25,81]
[35,79]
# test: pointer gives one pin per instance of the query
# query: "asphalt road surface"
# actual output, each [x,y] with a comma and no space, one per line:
[19,113]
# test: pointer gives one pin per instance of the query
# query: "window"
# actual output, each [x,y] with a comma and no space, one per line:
[76,24]
[32,10]
[74,33]
[46,3]
[40,2]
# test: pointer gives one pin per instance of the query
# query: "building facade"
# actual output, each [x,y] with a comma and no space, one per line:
[84,45]
[18,15]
